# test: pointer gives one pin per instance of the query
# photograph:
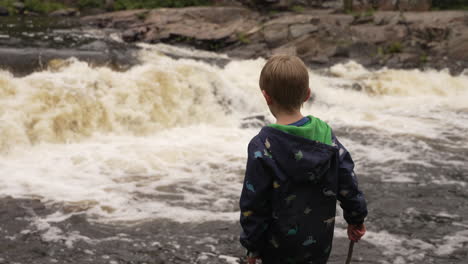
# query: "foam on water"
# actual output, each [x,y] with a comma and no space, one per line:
[163,139]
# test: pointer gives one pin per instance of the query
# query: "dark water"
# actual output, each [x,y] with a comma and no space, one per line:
[28,44]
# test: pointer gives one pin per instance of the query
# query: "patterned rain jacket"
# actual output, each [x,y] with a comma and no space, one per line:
[291,186]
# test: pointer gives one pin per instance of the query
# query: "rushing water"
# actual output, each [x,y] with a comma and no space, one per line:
[167,138]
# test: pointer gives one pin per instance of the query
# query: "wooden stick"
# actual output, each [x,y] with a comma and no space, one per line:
[350,252]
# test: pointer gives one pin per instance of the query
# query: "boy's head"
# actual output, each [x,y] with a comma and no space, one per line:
[285,81]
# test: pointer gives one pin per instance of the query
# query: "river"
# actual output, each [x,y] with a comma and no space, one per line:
[118,166]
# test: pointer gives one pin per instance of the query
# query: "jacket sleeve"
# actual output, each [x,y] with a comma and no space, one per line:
[351,198]
[254,202]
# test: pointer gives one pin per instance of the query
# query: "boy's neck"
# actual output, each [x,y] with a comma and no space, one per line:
[286,118]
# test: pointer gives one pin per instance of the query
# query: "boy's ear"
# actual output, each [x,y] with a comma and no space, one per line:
[268,98]
[308,95]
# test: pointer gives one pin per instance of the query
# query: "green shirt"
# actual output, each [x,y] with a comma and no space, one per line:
[315,129]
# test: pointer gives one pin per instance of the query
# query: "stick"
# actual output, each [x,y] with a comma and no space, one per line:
[350,252]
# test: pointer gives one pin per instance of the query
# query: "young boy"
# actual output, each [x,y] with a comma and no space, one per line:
[296,170]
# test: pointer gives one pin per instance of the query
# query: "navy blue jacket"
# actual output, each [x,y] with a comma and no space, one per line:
[288,201]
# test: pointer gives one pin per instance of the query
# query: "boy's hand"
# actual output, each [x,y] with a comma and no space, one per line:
[355,232]
[252,260]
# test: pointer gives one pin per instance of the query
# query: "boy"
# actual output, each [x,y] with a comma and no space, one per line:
[296,170]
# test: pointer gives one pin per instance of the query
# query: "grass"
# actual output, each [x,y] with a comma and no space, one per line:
[90,3]
[423,58]
[243,38]
[395,47]
[380,51]
[297,8]
[142,15]
[47,6]
[41,6]
[367,13]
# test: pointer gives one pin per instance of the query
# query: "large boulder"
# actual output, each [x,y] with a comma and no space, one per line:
[276,34]
[201,26]
[458,48]
[298,30]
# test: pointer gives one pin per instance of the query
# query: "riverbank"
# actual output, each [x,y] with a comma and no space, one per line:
[320,37]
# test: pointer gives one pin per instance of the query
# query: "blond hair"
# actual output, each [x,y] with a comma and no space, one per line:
[286,80]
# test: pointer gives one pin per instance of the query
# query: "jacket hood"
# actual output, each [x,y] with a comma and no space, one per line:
[301,159]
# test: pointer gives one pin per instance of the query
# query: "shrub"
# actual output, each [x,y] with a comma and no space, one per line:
[450,4]
[40,6]
[395,47]
[91,3]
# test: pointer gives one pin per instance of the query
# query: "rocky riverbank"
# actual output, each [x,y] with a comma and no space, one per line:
[320,37]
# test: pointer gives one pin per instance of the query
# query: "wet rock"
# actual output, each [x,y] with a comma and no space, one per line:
[134,34]
[319,59]
[458,48]
[317,36]
[255,121]
[286,49]
[379,34]
[275,34]
[409,60]
[363,52]
[251,51]
[388,18]
[392,5]
[356,87]
[4,11]
[363,20]
[430,33]
[301,29]
[66,12]
[23,61]
[203,27]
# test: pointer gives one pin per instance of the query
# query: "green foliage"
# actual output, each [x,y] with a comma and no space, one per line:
[41,6]
[136,4]
[9,5]
[395,47]
[91,3]
[243,38]
[449,4]
[423,58]
[47,6]
[297,9]
[348,5]
[142,15]
[380,51]
[367,13]
[273,12]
